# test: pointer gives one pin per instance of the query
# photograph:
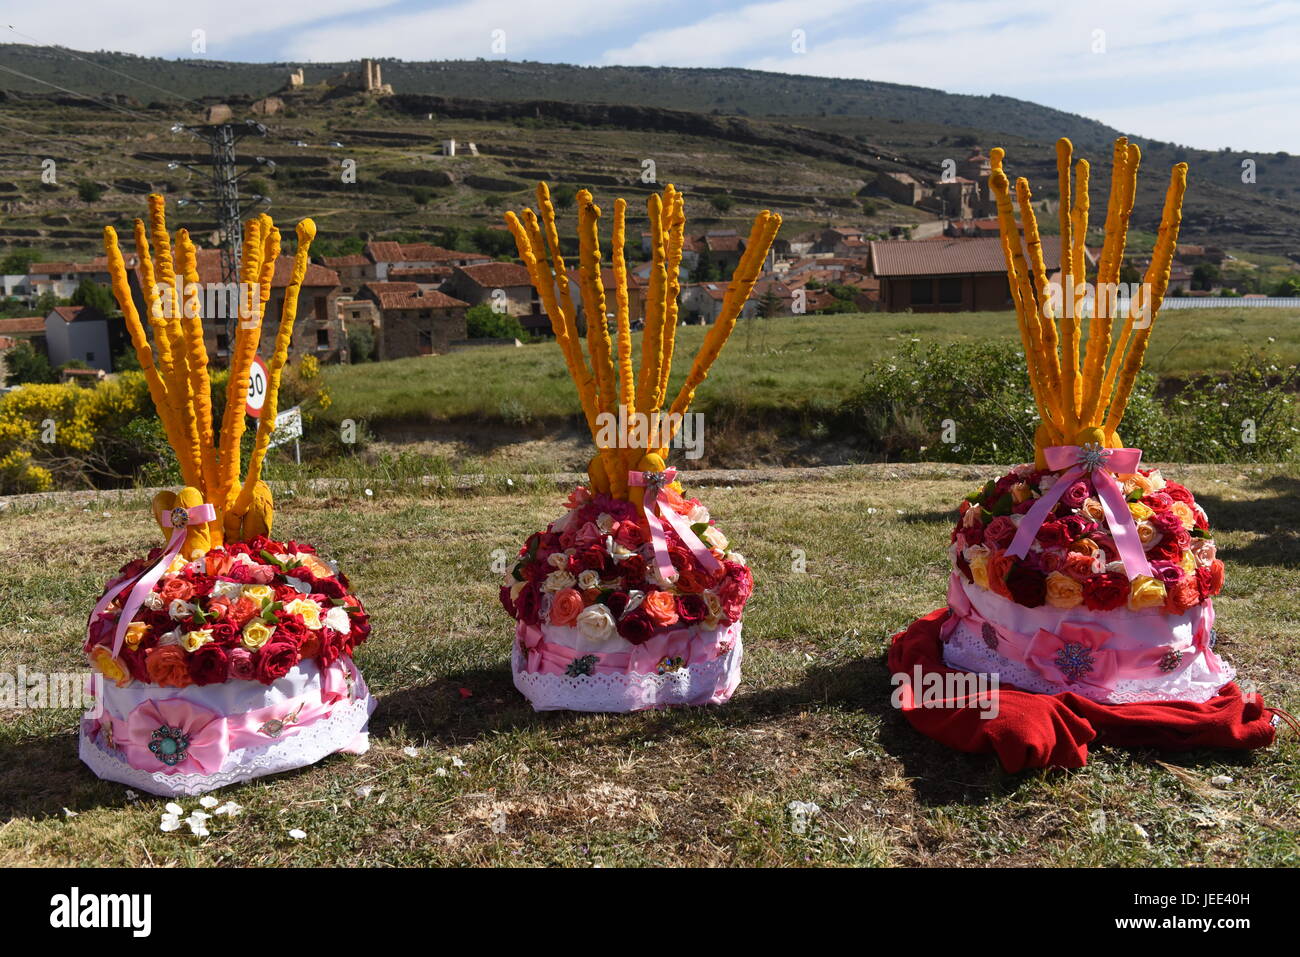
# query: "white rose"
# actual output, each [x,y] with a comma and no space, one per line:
[180,609]
[337,619]
[558,580]
[605,522]
[715,538]
[1115,568]
[153,601]
[172,637]
[595,623]
[714,605]
[558,560]
[225,589]
[972,551]
[588,578]
[736,557]
[698,515]
[561,523]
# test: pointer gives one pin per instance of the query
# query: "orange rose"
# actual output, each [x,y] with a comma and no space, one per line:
[1181,595]
[999,564]
[661,606]
[168,667]
[566,606]
[242,610]
[1085,546]
[176,588]
[1079,565]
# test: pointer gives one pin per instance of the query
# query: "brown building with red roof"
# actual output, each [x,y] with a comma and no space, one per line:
[947,275]
[414,321]
[504,283]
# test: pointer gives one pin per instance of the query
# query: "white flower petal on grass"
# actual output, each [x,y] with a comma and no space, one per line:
[498,822]
[131,795]
[297,834]
[365,791]
[68,813]
[440,772]
[174,808]
[456,762]
[208,801]
[1221,780]
[230,809]
[801,815]
[411,752]
[170,822]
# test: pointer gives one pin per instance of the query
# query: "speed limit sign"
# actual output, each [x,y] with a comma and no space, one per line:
[257,379]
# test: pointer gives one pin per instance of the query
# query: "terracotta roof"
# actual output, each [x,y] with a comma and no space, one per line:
[339,262]
[724,243]
[23,325]
[496,275]
[98,264]
[391,252]
[209,267]
[950,257]
[417,299]
[77,313]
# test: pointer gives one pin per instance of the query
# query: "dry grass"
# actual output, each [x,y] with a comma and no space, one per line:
[812,721]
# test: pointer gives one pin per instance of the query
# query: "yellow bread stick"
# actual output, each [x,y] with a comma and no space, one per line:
[546,210]
[623,325]
[652,331]
[165,277]
[1079,274]
[1069,318]
[1042,321]
[131,316]
[674,229]
[1022,294]
[1126,330]
[199,432]
[1157,280]
[241,362]
[1107,269]
[270,253]
[306,232]
[742,284]
[153,310]
[598,342]
[532,251]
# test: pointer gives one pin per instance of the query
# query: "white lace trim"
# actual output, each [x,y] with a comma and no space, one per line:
[707,682]
[1193,682]
[343,730]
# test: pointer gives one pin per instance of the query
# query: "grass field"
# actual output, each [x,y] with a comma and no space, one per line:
[811,722]
[778,366]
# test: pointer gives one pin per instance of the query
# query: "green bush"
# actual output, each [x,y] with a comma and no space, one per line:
[972,404]
[481,322]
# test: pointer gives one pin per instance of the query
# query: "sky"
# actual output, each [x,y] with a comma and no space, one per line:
[1202,74]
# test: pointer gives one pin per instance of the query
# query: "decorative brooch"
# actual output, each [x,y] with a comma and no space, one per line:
[274,727]
[667,664]
[169,745]
[1074,660]
[578,667]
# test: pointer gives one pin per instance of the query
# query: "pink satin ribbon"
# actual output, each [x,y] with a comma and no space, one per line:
[177,519]
[1103,464]
[212,736]
[654,483]
[688,644]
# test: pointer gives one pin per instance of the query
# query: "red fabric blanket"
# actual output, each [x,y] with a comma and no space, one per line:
[1040,730]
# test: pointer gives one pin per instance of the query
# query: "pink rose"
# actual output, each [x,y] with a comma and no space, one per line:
[999,532]
[240,664]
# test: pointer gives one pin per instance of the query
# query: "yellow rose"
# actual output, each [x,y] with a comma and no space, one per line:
[1093,510]
[1189,563]
[135,633]
[1145,592]
[1146,533]
[259,593]
[102,660]
[309,610]
[256,634]
[1139,511]
[979,569]
[196,639]
[1020,493]
[1184,513]
[1063,591]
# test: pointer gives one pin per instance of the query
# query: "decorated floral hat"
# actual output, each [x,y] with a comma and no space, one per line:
[633,598]
[226,653]
[1084,575]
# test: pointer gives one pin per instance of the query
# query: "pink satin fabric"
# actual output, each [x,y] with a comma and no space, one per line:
[691,645]
[212,736]
[1119,519]
[658,511]
[1124,651]
[198,515]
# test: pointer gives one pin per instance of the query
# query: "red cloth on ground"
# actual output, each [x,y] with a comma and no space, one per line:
[1041,730]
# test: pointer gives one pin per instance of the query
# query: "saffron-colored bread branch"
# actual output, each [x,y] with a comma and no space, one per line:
[248,506]
[1083,401]
[613,382]
[247,335]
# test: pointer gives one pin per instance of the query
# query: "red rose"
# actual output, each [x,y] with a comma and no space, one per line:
[328,587]
[1165,550]
[506,602]
[691,608]
[1209,579]
[1181,595]
[630,535]
[1158,501]
[636,626]
[241,573]
[292,630]
[528,605]
[332,647]
[616,602]
[274,661]
[208,664]
[224,634]
[135,661]
[1105,592]
[1178,493]
[1027,586]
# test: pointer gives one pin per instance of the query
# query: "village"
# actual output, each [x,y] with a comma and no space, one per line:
[396,300]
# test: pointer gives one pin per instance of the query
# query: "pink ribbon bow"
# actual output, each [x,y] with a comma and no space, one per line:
[654,483]
[177,520]
[1103,464]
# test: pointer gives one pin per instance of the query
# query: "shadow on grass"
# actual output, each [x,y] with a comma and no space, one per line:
[1276,518]
[42,775]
